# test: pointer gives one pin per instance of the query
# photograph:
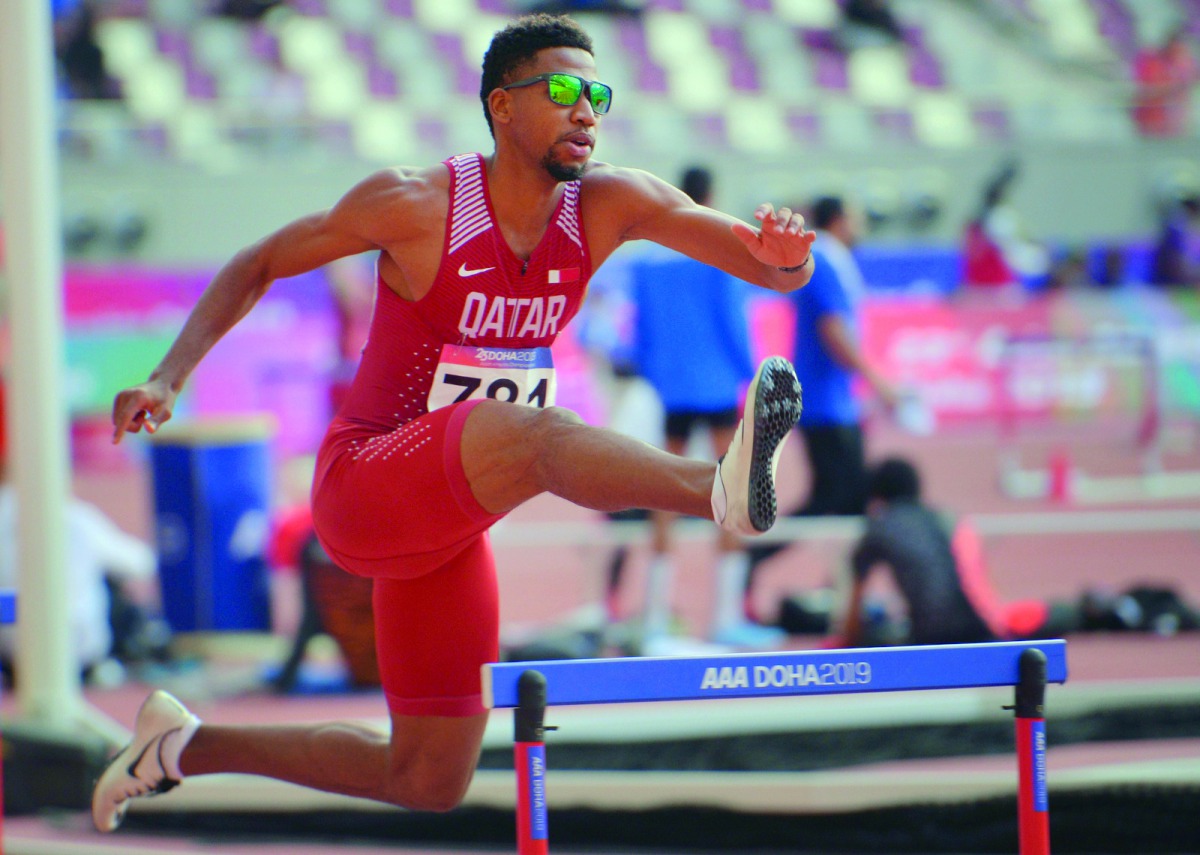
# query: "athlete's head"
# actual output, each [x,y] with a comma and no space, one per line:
[894,479]
[831,214]
[542,68]
[697,184]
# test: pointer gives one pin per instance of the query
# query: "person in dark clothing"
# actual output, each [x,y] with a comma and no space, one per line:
[1176,259]
[915,543]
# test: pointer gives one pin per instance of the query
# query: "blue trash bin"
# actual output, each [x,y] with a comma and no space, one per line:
[211,504]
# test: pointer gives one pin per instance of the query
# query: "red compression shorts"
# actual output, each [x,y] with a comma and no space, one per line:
[397,507]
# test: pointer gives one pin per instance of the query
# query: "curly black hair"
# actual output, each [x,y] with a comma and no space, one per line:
[519,42]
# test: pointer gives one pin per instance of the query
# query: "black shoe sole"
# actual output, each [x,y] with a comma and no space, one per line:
[777,406]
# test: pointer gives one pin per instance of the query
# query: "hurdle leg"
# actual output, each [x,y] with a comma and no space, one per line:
[533,831]
[1033,808]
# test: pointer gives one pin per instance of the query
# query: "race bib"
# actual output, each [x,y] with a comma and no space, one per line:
[516,375]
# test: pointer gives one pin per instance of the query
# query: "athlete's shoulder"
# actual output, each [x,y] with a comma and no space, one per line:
[405,183]
[626,193]
[394,203]
[623,180]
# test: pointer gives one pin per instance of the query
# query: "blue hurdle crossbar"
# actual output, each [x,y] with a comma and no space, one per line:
[749,675]
[530,687]
[8,605]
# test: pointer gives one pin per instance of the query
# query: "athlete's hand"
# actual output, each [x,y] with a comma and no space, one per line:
[782,241]
[146,405]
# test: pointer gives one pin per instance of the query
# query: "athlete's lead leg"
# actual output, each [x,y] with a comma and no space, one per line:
[511,454]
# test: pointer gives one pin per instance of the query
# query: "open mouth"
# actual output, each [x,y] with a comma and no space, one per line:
[580,145]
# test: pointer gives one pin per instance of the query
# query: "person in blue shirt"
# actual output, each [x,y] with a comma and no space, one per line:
[828,357]
[692,344]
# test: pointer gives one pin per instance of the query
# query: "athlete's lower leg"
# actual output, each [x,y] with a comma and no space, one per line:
[427,763]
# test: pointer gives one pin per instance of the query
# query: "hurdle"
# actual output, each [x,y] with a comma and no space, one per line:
[528,688]
[1060,479]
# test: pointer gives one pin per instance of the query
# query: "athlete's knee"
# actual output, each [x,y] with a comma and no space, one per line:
[426,787]
[549,435]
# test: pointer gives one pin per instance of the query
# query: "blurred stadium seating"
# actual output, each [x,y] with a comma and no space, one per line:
[758,86]
[746,73]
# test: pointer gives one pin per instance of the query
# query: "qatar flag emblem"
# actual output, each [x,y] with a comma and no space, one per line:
[558,277]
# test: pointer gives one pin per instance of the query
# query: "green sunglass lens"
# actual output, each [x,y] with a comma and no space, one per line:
[565,90]
[601,97]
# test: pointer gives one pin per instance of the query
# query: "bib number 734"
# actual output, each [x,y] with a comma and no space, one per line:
[514,375]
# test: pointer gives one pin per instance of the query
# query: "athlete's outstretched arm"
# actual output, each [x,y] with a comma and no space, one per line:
[300,246]
[777,254]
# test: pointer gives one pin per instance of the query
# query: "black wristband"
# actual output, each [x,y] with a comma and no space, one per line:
[797,268]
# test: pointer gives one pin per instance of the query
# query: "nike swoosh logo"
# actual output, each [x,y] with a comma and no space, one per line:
[463,271]
[166,783]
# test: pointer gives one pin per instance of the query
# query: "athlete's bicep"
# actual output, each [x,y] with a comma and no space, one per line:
[665,215]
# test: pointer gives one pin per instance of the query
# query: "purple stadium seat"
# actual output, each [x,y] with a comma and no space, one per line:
[743,72]
[829,70]
[924,69]
[398,8]
[652,78]
[991,123]
[828,61]
[709,128]
[172,44]
[381,81]
[1117,26]
[361,46]
[757,5]
[894,125]
[816,39]
[804,126]
[263,44]
[198,84]
[431,131]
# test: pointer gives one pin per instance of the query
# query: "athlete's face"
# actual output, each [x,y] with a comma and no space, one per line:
[567,132]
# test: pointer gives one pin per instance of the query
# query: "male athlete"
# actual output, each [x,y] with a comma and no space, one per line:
[482,261]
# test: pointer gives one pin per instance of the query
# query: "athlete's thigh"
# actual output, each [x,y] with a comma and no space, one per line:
[502,447]
[433,633]
[399,493]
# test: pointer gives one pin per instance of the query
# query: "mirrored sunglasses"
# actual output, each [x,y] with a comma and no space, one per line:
[565,89]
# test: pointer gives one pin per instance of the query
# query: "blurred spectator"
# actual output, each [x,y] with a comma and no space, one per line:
[246,10]
[80,60]
[693,346]
[867,23]
[1164,77]
[996,255]
[106,626]
[942,577]
[828,357]
[938,569]
[1176,260]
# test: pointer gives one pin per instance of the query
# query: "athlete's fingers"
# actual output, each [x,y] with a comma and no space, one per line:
[782,218]
[795,224]
[765,213]
[132,410]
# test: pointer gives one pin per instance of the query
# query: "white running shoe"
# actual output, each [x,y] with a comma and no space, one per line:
[149,764]
[743,495]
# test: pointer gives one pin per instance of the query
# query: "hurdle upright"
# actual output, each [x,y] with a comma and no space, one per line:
[529,687]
